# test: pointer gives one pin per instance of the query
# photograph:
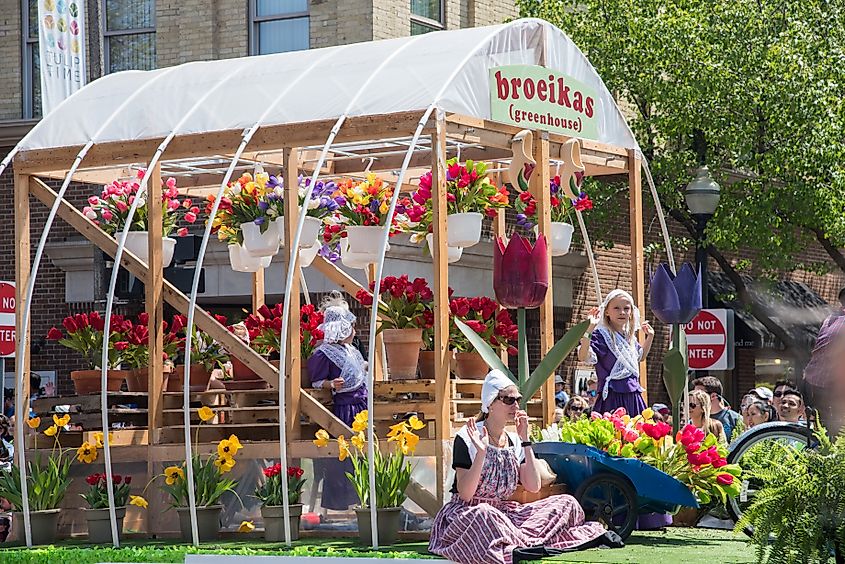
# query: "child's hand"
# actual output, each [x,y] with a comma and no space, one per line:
[647,329]
[593,316]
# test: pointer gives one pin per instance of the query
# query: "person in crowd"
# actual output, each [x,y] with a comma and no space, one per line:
[719,410]
[558,415]
[561,397]
[611,345]
[576,408]
[781,387]
[792,407]
[824,375]
[479,523]
[338,366]
[763,393]
[591,393]
[699,412]
[662,413]
[758,412]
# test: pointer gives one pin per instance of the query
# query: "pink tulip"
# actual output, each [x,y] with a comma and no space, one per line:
[121,205]
[107,215]
[182,231]
[190,217]
[171,182]
[93,200]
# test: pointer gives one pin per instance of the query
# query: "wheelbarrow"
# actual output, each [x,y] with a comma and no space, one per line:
[614,490]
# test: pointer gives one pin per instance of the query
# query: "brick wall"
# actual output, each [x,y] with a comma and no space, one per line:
[10,54]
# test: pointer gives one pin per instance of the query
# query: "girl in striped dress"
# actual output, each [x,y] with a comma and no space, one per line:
[480,524]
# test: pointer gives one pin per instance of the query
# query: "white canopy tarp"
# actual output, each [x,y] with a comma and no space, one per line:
[409,74]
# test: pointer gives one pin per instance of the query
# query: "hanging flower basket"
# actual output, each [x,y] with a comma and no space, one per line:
[137,243]
[365,239]
[463,229]
[559,237]
[308,254]
[454,253]
[242,261]
[258,244]
[310,231]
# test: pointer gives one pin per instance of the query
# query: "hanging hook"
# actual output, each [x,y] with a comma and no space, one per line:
[369,164]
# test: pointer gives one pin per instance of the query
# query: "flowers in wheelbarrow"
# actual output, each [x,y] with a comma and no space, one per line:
[520,271]
[675,299]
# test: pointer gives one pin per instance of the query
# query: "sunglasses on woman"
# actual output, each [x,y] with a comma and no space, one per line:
[510,400]
[693,405]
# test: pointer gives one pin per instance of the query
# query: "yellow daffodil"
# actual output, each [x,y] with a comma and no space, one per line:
[205,413]
[322,438]
[360,421]
[227,448]
[246,527]
[87,453]
[173,473]
[51,431]
[34,422]
[98,438]
[225,463]
[359,441]
[343,448]
[61,421]
[415,423]
[138,501]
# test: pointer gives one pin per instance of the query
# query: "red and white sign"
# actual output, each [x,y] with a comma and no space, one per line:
[7,319]
[709,340]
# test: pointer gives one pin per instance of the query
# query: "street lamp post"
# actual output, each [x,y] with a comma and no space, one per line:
[702,198]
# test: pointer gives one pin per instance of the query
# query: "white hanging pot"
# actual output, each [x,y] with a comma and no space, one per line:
[137,244]
[279,224]
[559,237]
[308,254]
[242,261]
[454,254]
[260,244]
[366,240]
[463,229]
[310,232]
[351,259]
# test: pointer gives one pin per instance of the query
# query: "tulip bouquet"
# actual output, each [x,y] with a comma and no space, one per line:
[97,496]
[468,189]
[561,207]
[246,200]
[487,319]
[405,303]
[270,492]
[265,329]
[110,209]
[85,336]
[392,470]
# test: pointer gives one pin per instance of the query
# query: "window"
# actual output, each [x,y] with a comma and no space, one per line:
[31,62]
[278,26]
[129,39]
[426,15]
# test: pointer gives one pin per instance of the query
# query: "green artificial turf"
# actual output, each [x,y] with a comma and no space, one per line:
[686,546]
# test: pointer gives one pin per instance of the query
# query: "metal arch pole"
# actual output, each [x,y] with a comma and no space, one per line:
[30,290]
[661,218]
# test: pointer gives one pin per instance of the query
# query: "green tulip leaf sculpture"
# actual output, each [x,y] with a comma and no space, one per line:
[520,281]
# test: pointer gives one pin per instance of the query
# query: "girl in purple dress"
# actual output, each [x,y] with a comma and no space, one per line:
[337,365]
[610,344]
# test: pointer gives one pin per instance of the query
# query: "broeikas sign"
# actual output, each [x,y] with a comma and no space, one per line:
[539,98]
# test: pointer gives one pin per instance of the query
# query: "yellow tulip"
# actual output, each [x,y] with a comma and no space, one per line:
[360,421]
[173,473]
[61,421]
[51,431]
[227,448]
[205,413]
[34,422]
[411,441]
[384,207]
[359,441]
[246,527]
[415,423]
[225,463]
[87,453]
[98,439]
[236,444]
[138,500]
[343,448]
[648,413]
[322,438]
[398,429]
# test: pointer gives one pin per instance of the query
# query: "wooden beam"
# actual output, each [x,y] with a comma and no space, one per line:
[539,187]
[257,289]
[635,214]
[380,359]
[23,267]
[271,137]
[180,302]
[154,303]
[293,359]
[443,424]
[339,277]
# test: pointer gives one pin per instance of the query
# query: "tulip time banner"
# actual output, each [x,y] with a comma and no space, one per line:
[61,43]
[539,98]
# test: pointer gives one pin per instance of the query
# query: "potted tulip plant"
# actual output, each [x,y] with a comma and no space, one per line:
[207,355]
[469,195]
[271,496]
[392,471]
[561,208]
[136,352]
[110,210]
[490,322]
[85,334]
[97,513]
[402,321]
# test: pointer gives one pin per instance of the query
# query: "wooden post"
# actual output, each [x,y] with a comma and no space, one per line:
[293,359]
[23,266]
[539,186]
[637,255]
[500,230]
[380,369]
[257,289]
[154,297]
[443,421]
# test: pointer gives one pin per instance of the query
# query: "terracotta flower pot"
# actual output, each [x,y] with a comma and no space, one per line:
[403,352]
[426,364]
[138,380]
[44,526]
[198,379]
[274,522]
[99,524]
[387,521]
[470,366]
[88,381]
[208,522]
[241,371]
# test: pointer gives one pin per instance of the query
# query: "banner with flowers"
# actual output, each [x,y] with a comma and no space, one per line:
[61,45]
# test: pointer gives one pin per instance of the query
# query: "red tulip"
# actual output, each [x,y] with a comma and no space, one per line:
[725,479]
[54,334]
[520,272]
[70,324]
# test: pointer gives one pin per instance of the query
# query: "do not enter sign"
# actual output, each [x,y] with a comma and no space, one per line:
[7,319]
[710,340]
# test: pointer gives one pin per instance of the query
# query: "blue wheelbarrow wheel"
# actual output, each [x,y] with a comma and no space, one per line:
[610,500]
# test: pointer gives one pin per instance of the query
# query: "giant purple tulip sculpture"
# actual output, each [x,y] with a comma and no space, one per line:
[520,281]
[676,300]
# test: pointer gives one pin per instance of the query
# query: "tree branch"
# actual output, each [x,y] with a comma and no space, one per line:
[828,246]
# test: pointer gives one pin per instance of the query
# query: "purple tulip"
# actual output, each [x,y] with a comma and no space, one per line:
[520,272]
[262,205]
[258,220]
[675,299]
[275,182]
